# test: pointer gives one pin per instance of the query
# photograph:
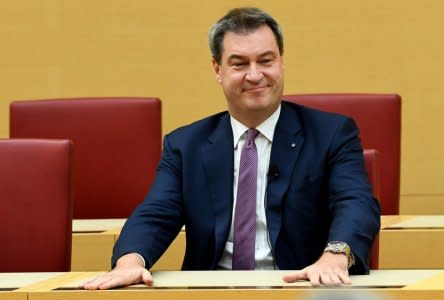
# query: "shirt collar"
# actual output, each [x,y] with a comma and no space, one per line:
[266,128]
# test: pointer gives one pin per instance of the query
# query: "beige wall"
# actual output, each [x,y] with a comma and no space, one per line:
[52,48]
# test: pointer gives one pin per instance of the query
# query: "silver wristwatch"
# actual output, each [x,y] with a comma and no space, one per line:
[338,247]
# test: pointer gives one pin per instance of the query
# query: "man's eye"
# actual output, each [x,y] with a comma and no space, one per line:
[266,61]
[239,64]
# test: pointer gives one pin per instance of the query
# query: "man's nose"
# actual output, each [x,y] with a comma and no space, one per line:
[254,74]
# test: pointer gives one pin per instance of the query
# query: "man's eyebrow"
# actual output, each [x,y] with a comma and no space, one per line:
[236,57]
[268,53]
[241,57]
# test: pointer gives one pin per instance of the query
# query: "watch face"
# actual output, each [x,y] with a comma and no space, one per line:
[338,247]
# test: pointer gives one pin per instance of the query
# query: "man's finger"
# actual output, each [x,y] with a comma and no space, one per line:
[112,283]
[330,279]
[146,277]
[345,278]
[315,278]
[298,275]
[95,283]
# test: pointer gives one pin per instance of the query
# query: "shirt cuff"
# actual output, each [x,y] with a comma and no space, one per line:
[141,258]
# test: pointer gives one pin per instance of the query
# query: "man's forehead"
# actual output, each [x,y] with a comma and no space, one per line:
[245,33]
[259,41]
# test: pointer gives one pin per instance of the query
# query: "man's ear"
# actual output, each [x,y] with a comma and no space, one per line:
[216,68]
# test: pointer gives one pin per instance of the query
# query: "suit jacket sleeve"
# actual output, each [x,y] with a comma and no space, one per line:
[354,211]
[322,192]
[159,218]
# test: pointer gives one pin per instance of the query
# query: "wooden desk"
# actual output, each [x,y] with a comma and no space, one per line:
[405,242]
[411,242]
[172,259]
[11,284]
[93,241]
[239,285]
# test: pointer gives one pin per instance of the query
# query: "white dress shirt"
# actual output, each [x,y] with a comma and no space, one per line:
[264,259]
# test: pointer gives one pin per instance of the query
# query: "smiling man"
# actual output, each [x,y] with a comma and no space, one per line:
[251,72]
[265,185]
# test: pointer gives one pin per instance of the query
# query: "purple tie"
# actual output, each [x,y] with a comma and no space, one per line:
[245,214]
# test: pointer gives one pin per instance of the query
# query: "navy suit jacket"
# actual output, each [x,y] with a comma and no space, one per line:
[320,193]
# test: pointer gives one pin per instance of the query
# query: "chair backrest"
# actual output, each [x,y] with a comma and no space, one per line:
[378,117]
[372,166]
[117,144]
[36,206]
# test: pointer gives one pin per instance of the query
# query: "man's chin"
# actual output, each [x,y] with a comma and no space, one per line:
[260,102]
[256,106]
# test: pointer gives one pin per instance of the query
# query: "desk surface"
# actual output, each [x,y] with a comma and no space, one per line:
[411,242]
[401,284]
[387,221]
[11,284]
[96,225]
[418,222]
[271,279]
[93,241]
[18,280]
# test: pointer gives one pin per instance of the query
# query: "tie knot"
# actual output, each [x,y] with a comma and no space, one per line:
[251,135]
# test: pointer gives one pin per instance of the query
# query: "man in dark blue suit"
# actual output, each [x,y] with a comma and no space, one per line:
[315,212]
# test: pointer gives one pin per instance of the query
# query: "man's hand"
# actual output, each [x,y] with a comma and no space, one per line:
[129,270]
[330,270]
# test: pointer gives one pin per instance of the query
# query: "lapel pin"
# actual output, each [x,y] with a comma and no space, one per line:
[293,145]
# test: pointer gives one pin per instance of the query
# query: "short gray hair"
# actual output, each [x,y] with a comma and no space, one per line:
[242,20]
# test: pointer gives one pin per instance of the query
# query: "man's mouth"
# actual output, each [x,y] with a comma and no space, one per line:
[255,89]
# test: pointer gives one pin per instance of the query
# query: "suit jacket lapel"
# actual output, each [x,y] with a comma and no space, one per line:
[218,156]
[287,143]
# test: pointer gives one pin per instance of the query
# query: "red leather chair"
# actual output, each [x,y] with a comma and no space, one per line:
[378,117]
[36,206]
[373,168]
[117,144]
